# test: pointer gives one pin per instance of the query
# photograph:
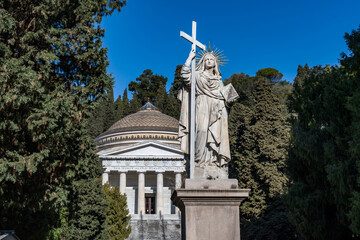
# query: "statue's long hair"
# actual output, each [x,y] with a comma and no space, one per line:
[201,64]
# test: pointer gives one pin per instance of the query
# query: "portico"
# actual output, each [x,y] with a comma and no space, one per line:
[147,179]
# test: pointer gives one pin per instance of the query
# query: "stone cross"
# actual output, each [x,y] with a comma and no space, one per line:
[195,44]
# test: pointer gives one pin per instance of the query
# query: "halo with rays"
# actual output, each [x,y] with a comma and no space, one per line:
[221,59]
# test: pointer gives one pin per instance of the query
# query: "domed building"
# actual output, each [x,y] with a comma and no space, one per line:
[141,154]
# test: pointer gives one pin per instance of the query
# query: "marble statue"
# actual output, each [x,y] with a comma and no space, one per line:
[212,101]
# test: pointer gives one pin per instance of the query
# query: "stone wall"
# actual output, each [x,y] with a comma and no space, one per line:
[155,229]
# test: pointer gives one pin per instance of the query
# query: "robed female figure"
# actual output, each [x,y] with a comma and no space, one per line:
[211,118]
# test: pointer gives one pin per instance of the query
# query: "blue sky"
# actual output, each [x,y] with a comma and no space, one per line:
[254,34]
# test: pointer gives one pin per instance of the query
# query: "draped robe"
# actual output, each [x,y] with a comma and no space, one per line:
[211,124]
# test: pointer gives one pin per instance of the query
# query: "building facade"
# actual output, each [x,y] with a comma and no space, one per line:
[141,154]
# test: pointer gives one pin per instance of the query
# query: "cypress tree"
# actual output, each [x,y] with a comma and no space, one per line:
[119,108]
[87,213]
[135,104]
[258,138]
[109,109]
[95,122]
[117,214]
[126,103]
[173,106]
[162,99]
[53,69]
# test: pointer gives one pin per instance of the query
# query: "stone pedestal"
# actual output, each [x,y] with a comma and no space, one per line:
[210,209]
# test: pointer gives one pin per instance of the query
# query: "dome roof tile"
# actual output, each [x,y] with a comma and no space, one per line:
[148,118]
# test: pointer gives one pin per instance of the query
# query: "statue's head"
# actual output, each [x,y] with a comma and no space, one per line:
[210,58]
[208,61]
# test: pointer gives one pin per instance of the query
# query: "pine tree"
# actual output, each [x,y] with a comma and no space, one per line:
[53,69]
[270,73]
[146,86]
[117,214]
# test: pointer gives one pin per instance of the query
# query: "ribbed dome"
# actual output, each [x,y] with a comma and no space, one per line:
[148,118]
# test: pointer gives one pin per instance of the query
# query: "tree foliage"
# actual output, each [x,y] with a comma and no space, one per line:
[270,73]
[52,70]
[323,161]
[258,138]
[117,214]
[103,115]
[173,107]
[87,212]
[135,104]
[146,86]
[126,103]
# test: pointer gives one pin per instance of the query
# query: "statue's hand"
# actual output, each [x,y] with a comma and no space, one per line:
[229,104]
[192,54]
[191,57]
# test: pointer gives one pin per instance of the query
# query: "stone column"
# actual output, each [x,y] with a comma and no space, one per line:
[159,193]
[141,192]
[105,177]
[178,183]
[122,184]
[178,180]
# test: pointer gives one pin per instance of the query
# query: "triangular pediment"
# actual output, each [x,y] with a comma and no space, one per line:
[143,149]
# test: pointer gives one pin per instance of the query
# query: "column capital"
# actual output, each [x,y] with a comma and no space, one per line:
[160,171]
[141,171]
[123,171]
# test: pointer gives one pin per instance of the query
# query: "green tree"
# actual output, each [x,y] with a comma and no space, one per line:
[103,115]
[117,214]
[352,65]
[270,73]
[162,99]
[119,108]
[323,156]
[323,160]
[95,122]
[173,106]
[87,213]
[258,139]
[52,71]
[317,135]
[176,84]
[109,109]
[146,86]
[135,104]
[126,103]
